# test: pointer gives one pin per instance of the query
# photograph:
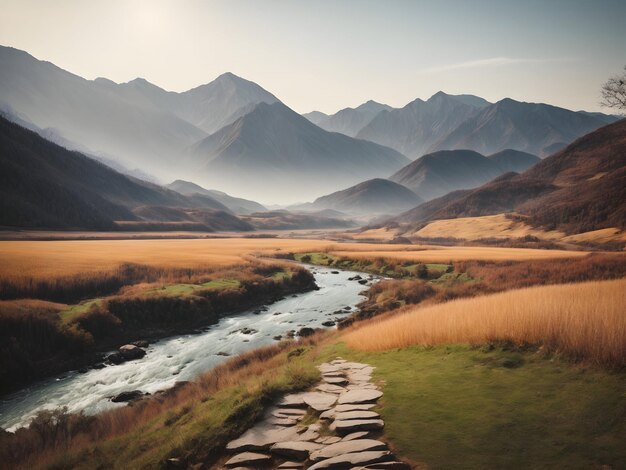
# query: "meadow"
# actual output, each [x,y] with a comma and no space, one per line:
[583,321]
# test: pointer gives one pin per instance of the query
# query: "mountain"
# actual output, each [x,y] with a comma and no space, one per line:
[510,124]
[45,185]
[607,118]
[350,121]
[287,220]
[234,204]
[514,160]
[375,196]
[579,189]
[92,115]
[138,124]
[415,128]
[276,152]
[439,173]
[316,116]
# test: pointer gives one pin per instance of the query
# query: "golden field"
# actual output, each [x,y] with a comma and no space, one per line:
[40,259]
[583,321]
[500,226]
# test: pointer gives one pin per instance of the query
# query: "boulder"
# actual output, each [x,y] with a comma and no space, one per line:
[248,459]
[360,396]
[306,331]
[353,460]
[298,450]
[130,352]
[347,447]
[141,343]
[127,396]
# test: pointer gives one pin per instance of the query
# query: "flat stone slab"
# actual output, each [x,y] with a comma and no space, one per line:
[354,407]
[353,460]
[394,465]
[360,396]
[262,437]
[336,380]
[290,411]
[347,447]
[353,425]
[298,450]
[355,435]
[248,458]
[320,401]
[329,388]
[295,400]
[328,440]
[281,421]
[290,464]
[358,414]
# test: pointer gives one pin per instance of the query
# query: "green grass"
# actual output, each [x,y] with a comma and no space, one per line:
[181,289]
[73,310]
[461,408]
[199,431]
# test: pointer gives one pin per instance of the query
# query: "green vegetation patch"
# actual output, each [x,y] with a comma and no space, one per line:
[457,407]
[74,310]
[181,289]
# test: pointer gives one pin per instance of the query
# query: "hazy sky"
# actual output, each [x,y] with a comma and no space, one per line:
[328,55]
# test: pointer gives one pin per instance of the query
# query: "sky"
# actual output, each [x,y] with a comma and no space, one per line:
[327,55]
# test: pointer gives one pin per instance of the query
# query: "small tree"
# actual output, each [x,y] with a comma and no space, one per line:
[614,92]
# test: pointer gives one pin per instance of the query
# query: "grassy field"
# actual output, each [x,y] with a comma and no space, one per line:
[581,321]
[39,259]
[457,407]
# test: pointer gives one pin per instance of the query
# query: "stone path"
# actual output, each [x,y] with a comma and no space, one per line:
[341,433]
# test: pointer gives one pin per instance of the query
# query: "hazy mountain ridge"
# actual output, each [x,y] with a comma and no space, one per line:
[578,189]
[439,173]
[375,196]
[235,204]
[45,185]
[273,148]
[413,129]
[510,124]
[350,121]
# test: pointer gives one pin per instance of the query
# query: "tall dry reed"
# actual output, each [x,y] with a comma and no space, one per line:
[585,321]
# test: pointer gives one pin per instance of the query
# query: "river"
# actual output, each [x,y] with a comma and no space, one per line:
[184,357]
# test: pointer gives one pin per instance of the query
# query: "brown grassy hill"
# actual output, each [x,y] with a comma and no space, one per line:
[578,189]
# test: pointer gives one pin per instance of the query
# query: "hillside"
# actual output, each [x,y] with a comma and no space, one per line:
[510,124]
[350,121]
[272,150]
[376,196]
[235,204]
[514,160]
[94,116]
[415,128]
[439,173]
[45,185]
[580,189]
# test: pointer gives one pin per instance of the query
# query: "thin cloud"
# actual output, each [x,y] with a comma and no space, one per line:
[491,62]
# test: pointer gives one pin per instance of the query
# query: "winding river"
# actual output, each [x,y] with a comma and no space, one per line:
[182,358]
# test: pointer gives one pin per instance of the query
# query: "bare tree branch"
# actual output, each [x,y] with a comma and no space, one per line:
[614,92]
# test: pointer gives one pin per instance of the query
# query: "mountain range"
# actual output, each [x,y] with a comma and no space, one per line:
[372,197]
[43,185]
[581,188]
[439,173]
[274,150]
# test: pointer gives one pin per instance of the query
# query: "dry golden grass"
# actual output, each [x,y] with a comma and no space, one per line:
[499,226]
[583,321]
[443,254]
[489,226]
[45,259]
